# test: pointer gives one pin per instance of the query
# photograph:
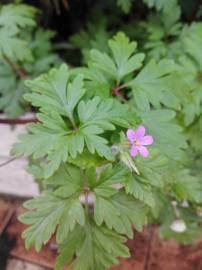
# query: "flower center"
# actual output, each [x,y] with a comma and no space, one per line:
[137,142]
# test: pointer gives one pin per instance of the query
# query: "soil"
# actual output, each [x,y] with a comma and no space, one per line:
[148,252]
[47,255]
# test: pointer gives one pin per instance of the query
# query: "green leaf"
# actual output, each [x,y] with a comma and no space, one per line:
[161,4]
[125,5]
[66,181]
[124,60]
[58,94]
[123,50]
[103,245]
[49,138]
[191,40]
[14,16]
[12,46]
[67,127]
[52,213]
[153,85]
[11,92]
[87,160]
[154,170]
[108,177]
[187,187]
[120,212]
[96,82]
[103,113]
[167,135]
[155,174]
[140,190]
[65,175]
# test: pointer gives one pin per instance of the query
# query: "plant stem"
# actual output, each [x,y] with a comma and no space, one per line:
[18,71]
[86,202]
[151,231]
[8,161]
[195,10]
[72,121]
[85,191]
[13,121]
[116,90]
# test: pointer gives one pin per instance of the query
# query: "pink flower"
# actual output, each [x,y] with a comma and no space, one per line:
[138,139]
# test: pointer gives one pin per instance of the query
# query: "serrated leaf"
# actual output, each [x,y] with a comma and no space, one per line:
[13,47]
[69,129]
[187,187]
[140,190]
[167,135]
[107,179]
[120,212]
[124,60]
[153,85]
[51,212]
[14,16]
[103,245]
[123,50]
[58,91]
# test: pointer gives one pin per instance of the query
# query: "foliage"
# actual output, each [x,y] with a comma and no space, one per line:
[25,51]
[144,72]
[125,5]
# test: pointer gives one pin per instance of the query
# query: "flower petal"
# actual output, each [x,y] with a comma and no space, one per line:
[143,151]
[147,140]
[140,132]
[134,151]
[131,135]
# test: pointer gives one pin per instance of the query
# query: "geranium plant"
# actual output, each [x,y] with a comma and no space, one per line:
[117,142]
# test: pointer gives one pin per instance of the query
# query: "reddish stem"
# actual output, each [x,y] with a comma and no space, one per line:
[116,90]
[18,71]
[18,121]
